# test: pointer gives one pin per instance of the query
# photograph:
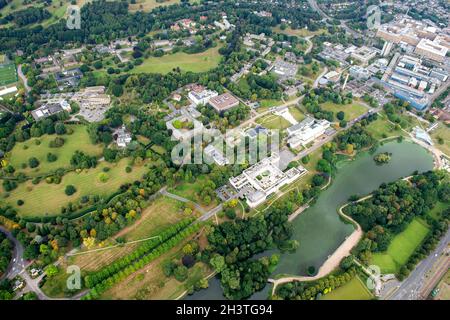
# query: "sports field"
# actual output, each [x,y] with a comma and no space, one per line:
[86,182]
[78,140]
[8,74]
[197,62]
[401,247]
[355,289]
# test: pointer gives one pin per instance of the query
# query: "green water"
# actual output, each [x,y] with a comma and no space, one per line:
[319,229]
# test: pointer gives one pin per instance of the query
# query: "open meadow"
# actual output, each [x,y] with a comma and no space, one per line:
[39,148]
[352,110]
[86,182]
[197,62]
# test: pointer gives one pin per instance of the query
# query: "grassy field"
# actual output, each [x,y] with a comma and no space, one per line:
[148,5]
[78,140]
[57,9]
[272,121]
[352,110]
[190,191]
[268,103]
[150,283]
[8,74]
[401,247]
[444,133]
[86,182]
[436,212]
[162,213]
[381,129]
[355,289]
[297,113]
[198,62]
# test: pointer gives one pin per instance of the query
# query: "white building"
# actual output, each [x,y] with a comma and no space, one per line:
[264,178]
[123,137]
[216,155]
[431,49]
[306,131]
[200,95]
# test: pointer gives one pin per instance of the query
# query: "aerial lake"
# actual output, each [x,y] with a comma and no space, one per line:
[319,229]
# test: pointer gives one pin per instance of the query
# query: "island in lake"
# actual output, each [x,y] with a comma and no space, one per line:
[382,158]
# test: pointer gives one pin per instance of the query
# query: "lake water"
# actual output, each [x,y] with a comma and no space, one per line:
[319,229]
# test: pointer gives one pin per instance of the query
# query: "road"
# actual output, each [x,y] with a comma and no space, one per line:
[23,78]
[316,7]
[416,286]
[17,262]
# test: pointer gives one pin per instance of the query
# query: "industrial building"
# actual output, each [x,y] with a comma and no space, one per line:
[223,102]
[50,109]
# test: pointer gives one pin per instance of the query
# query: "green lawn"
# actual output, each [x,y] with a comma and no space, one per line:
[443,132]
[272,121]
[401,247]
[86,182]
[190,191]
[355,289]
[198,62]
[78,140]
[352,110]
[297,113]
[8,74]
[161,214]
[57,9]
[381,129]
[436,212]
[268,103]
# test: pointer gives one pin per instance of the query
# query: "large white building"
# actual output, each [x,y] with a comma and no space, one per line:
[264,178]
[431,50]
[200,95]
[306,131]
